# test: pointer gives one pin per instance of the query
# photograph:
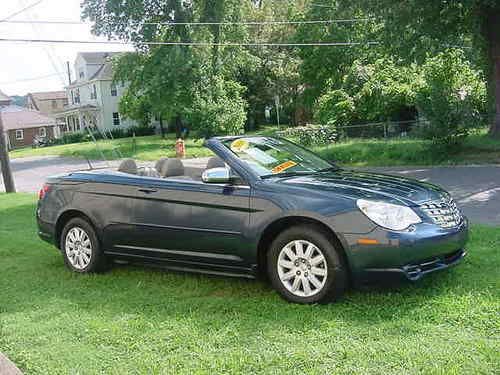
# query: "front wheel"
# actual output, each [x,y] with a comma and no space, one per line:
[80,247]
[305,267]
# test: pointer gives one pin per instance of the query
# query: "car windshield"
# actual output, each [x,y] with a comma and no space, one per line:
[270,157]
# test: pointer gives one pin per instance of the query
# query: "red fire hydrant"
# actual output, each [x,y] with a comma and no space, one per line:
[180,148]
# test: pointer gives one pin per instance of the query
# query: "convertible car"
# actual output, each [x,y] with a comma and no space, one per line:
[261,206]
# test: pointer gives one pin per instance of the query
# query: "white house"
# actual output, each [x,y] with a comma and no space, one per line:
[93,98]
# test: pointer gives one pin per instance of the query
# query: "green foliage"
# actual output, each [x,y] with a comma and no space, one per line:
[335,107]
[452,97]
[311,135]
[380,90]
[218,108]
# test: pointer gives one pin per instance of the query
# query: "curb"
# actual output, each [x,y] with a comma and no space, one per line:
[7,367]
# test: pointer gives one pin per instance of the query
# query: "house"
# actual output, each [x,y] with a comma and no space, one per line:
[93,98]
[47,103]
[21,125]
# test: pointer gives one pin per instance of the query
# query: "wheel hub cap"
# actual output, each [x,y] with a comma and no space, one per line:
[302,268]
[78,248]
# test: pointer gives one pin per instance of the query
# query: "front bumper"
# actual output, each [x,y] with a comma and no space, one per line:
[415,271]
[411,254]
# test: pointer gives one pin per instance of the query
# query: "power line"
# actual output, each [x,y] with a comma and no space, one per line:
[20,11]
[30,79]
[264,44]
[304,22]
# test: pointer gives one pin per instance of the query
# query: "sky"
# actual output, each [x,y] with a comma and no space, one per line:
[21,62]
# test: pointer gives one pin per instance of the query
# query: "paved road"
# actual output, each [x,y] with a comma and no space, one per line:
[475,188]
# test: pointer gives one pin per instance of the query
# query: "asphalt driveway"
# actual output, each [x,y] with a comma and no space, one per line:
[475,188]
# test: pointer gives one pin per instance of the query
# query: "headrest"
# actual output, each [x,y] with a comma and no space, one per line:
[215,162]
[128,166]
[148,172]
[172,167]
[159,164]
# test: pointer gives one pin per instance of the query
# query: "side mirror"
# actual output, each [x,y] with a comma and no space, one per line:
[217,176]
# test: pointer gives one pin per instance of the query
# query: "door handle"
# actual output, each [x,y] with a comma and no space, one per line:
[148,191]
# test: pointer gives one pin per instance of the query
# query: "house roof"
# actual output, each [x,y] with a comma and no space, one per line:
[16,117]
[105,72]
[97,57]
[48,95]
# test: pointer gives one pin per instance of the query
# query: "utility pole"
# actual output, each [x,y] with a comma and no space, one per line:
[69,73]
[8,180]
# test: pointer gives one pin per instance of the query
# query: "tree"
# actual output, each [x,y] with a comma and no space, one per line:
[165,78]
[413,29]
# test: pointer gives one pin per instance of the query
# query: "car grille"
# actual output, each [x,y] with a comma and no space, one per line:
[443,212]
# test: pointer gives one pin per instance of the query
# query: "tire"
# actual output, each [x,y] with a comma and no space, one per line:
[81,248]
[326,277]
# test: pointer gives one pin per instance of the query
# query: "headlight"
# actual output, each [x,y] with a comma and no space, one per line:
[387,215]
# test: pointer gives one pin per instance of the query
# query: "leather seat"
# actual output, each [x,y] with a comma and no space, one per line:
[128,166]
[215,162]
[173,168]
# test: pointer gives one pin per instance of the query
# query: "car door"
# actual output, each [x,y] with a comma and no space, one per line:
[187,223]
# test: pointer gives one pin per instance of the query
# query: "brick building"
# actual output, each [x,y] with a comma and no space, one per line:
[22,126]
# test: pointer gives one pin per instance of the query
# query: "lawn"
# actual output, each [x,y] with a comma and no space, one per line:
[137,320]
[142,148]
[478,149]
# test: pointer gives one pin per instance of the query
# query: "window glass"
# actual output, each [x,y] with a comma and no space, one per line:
[42,132]
[270,156]
[19,134]
[116,118]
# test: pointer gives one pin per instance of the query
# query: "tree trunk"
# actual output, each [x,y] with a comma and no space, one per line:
[162,130]
[492,35]
[178,126]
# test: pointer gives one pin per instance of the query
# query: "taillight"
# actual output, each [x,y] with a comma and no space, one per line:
[44,190]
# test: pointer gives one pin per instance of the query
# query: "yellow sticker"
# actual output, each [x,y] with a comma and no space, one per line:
[239,145]
[280,168]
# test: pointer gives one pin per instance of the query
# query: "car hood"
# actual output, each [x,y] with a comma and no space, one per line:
[367,185]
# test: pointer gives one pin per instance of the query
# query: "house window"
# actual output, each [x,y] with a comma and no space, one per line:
[54,104]
[116,118]
[42,132]
[82,74]
[114,91]
[65,102]
[77,96]
[19,134]
[93,93]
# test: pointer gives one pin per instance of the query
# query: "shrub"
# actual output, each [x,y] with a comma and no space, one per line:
[335,107]
[311,135]
[451,96]
[139,131]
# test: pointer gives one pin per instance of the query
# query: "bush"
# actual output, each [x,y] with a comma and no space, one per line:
[452,97]
[335,107]
[139,131]
[311,135]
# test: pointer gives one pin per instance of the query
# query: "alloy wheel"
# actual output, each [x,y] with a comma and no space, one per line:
[78,248]
[302,268]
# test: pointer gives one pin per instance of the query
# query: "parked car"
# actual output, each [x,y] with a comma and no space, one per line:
[261,206]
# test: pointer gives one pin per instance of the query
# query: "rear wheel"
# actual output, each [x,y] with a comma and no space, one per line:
[305,267]
[80,247]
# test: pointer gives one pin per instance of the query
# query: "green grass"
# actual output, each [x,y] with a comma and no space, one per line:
[138,320]
[477,149]
[142,148]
